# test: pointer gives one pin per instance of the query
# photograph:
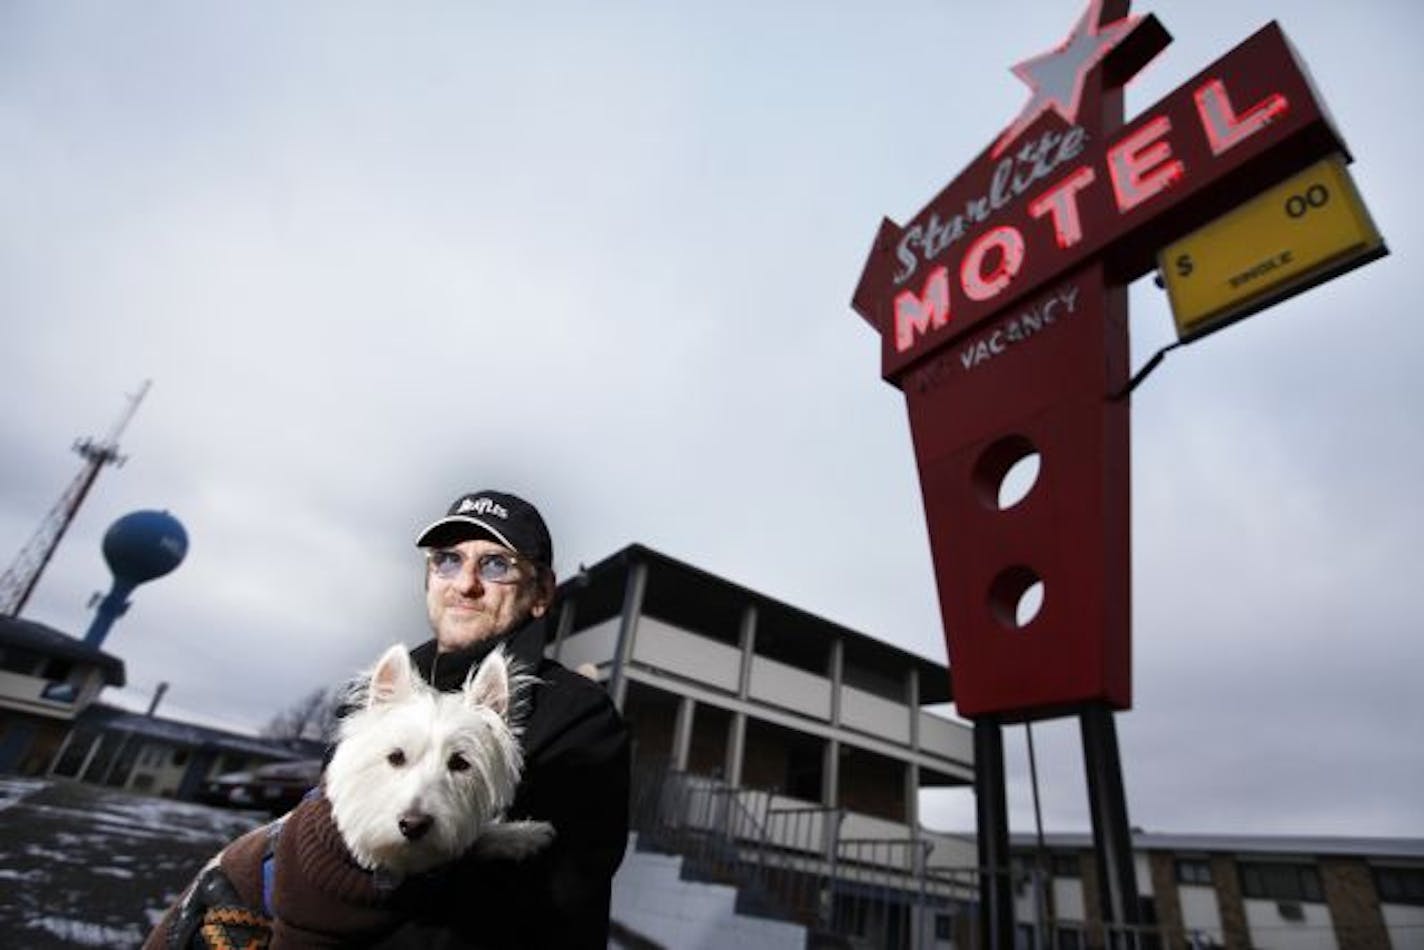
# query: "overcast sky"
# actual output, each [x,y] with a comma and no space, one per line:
[372,256]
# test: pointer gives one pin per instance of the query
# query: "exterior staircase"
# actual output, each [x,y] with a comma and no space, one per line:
[713,865]
[658,902]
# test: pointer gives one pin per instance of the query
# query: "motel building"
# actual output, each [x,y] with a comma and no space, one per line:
[778,759]
[54,724]
[1230,891]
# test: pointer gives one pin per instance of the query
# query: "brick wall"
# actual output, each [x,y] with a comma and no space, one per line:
[652,733]
[1169,904]
[1354,904]
[707,752]
[872,785]
[1235,932]
[764,763]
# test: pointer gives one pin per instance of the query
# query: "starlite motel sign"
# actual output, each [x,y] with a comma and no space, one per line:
[1002,311]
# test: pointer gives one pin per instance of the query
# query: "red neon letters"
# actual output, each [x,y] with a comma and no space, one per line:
[1010,245]
[917,314]
[1224,129]
[1061,202]
[1141,166]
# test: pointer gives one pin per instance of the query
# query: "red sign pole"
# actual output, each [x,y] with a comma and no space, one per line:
[1002,310]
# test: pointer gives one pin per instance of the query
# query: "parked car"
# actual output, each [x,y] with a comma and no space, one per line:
[224,789]
[274,787]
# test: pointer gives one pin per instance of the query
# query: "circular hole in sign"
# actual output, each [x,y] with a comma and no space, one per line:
[1030,603]
[1007,472]
[1016,597]
[1019,480]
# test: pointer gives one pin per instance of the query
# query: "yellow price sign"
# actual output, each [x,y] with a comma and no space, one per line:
[1306,230]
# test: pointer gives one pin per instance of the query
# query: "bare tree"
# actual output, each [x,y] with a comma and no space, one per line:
[311,717]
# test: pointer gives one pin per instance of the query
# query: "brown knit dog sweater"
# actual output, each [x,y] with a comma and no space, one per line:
[320,896]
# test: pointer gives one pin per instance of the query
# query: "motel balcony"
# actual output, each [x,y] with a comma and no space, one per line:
[785,732]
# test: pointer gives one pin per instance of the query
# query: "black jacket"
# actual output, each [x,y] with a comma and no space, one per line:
[576,773]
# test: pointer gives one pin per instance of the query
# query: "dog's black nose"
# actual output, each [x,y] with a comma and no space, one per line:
[414,825]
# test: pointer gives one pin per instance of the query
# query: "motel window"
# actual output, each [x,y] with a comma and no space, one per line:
[1193,871]
[1400,885]
[1281,881]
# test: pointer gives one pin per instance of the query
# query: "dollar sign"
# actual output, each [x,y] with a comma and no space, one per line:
[1184,265]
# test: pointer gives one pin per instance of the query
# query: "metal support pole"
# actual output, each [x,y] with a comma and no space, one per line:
[118,754]
[736,749]
[1112,835]
[831,779]
[833,852]
[158,695]
[89,755]
[682,732]
[565,627]
[633,591]
[996,894]
[63,748]
[923,918]
[1042,880]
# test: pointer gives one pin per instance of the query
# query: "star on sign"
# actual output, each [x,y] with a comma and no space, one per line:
[1057,77]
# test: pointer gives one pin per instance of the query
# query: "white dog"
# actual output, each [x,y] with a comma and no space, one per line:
[418,778]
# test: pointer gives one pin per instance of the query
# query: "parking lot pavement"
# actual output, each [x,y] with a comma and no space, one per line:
[84,866]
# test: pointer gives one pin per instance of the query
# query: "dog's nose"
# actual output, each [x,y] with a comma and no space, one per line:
[414,824]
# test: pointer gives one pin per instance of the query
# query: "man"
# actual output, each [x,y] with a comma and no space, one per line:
[489,580]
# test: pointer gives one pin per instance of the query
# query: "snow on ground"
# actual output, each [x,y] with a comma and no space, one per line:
[87,866]
[14,790]
[84,934]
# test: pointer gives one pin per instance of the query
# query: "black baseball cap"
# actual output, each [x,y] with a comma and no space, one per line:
[496,515]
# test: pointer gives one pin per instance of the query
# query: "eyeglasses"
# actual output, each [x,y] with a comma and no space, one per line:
[494,567]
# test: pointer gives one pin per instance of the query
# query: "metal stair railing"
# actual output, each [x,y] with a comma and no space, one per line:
[691,815]
[710,823]
[796,858]
[789,861]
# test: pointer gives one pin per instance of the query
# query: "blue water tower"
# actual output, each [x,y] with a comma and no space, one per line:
[140,547]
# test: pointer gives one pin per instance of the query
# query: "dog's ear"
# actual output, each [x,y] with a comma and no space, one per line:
[391,679]
[489,685]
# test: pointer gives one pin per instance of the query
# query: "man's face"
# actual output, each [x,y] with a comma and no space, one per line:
[465,609]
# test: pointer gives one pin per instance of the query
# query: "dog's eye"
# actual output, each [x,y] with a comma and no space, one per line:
[457,763]
[396,758]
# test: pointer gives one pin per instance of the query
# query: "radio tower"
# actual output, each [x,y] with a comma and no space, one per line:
[22,575]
